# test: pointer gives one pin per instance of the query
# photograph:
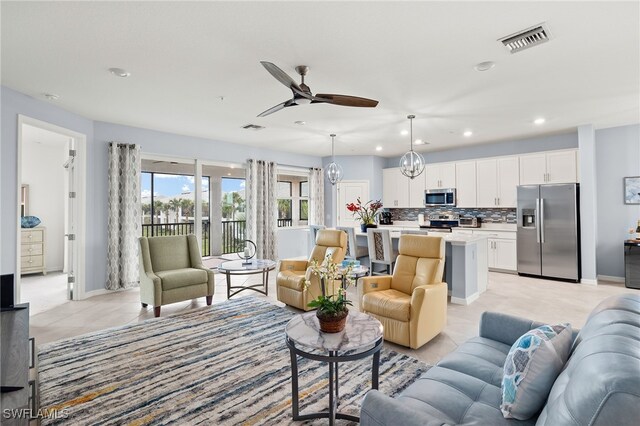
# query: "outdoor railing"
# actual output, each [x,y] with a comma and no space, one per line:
[182,228]
[234,232]
[285,222]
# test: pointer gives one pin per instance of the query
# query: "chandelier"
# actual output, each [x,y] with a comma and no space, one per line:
[411,163]
[334,171]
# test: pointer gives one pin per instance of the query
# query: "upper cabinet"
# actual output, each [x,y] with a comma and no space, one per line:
[395,188]
[497,182]
[416,190]
[440,175]
[549,167]
[466,184]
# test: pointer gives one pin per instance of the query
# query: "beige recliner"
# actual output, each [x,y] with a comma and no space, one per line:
[171,271]
[411,304]
[293,273]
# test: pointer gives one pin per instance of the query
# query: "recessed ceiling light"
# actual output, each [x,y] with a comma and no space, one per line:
[300,122]
[404,132]
[51,96]
[468,133]
[119,72]
[228,174]
[378,148]
[539,121]
[484,66]
[418,142]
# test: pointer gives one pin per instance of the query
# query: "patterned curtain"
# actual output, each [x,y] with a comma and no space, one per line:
[124,216]
[316,196]
[262,207]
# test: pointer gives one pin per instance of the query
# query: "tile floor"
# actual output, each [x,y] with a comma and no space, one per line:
[548,301]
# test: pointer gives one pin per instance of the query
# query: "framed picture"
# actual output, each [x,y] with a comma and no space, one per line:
[632,190]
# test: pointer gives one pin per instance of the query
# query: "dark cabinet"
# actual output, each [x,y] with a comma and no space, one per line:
[632,264]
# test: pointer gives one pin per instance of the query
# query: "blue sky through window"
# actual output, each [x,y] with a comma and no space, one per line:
[173,185]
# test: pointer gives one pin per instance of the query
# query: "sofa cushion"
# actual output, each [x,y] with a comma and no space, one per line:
[388,303]
[480,358]
[183,277]
[531,367]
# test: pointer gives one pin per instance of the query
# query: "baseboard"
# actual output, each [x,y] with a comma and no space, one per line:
[588,281]
[465,301]
[98,292]
[610,278]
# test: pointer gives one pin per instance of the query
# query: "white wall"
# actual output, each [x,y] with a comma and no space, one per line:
[617,156]
[42,170]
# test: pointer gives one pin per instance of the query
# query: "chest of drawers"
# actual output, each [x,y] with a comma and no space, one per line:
[32,251]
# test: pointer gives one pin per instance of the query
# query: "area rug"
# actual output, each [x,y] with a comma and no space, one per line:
[227,364]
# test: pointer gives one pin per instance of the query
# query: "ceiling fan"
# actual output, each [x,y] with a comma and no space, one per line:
[302,93]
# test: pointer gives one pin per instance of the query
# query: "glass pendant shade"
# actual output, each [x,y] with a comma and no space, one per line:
[411,163]
[334,170]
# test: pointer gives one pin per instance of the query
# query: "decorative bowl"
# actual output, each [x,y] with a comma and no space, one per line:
[29,221]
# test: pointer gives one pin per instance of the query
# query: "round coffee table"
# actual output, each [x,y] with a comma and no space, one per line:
[361,337]
[240,267]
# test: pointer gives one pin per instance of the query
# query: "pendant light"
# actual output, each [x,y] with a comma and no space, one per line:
[411,163]
[334,171]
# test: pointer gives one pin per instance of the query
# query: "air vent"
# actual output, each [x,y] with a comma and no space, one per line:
[527,38]
[252,127]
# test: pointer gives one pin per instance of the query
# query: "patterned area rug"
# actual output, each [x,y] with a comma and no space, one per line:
[226,364]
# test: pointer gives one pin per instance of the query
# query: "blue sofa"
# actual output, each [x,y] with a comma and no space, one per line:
[600,384]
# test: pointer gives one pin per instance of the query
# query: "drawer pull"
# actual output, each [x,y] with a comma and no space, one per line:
[30,250]
[30,236]
[30,261]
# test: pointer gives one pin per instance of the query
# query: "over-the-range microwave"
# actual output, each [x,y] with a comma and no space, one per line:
[440,197]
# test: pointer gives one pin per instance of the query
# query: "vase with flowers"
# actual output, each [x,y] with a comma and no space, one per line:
[366,212]
[331,307]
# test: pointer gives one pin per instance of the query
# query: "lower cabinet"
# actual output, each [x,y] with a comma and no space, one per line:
[502,254]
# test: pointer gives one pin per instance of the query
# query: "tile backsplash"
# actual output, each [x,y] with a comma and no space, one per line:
[504,215]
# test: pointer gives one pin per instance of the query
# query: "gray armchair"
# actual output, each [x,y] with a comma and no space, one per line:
[171,271]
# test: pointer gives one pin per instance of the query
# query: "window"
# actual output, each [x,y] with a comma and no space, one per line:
[293,199]
[304,201]
[285,204]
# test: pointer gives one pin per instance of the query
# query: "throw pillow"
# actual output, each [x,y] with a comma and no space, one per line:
[532,366]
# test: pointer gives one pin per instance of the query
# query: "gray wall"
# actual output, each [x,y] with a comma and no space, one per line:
[515,147]
[98,136]
[617,156]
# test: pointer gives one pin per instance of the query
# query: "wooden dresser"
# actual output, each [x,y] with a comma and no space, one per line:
[32,260]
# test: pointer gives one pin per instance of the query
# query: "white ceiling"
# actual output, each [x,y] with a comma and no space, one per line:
[414,57]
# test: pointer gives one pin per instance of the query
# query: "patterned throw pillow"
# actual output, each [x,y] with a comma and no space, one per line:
[532,366]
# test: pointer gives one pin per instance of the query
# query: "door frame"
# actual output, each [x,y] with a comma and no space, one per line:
[338,209]
[79,255]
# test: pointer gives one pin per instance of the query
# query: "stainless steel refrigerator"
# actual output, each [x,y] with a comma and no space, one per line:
[549,231]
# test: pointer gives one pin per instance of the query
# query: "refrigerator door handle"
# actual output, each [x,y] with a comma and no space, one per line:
[541,220]
[537,220]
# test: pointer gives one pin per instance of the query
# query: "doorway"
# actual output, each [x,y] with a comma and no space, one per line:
[348,192]
[50,255]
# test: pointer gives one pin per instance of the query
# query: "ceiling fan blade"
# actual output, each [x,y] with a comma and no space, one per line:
[281,76]
[278,107]
[346,100]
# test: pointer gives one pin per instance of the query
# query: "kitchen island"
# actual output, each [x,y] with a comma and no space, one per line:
[466,267]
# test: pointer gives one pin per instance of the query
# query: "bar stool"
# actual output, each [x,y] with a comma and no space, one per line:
[354,251]
[381,250]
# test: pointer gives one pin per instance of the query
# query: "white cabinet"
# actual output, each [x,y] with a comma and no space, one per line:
[497,182]
[416,191]
[32,250]
[440,175]
[502,254]
[395,188]
[466,184]
[549,167]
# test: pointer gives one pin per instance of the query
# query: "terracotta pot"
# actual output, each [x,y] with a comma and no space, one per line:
[332,323]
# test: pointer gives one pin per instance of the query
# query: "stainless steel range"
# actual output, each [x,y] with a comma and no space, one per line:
[442,222]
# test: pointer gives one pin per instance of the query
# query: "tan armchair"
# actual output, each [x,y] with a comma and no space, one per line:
[293,273]
[411,304]
[171,271]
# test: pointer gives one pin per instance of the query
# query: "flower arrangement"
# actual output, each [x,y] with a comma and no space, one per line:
[332,309]
[366,212]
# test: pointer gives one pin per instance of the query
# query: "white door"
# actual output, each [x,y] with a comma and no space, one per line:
[348,192]
[506,254]
[508,178]
[487,183]
[562,167]
[448,175]
[70,228]
[432,172]
[416,191]
[466,184]
[533,169]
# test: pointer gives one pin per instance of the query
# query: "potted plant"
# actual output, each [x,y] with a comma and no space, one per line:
[366,212]
[331,309]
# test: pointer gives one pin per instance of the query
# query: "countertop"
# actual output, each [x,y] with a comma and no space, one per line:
[412,224]
[453,238]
